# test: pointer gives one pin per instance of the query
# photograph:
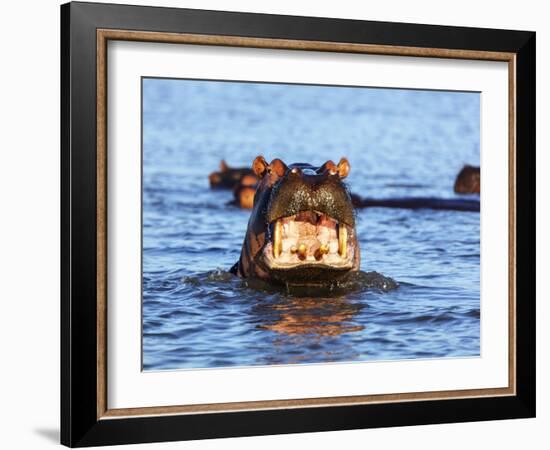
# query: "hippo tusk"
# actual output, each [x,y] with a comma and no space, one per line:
[342,240]
[277,239]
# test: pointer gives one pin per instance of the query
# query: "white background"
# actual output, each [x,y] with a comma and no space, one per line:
[29,194]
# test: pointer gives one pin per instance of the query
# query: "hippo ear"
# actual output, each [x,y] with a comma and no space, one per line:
[259,166]
[328,166]
[223,166]
[278,166]
[343,168]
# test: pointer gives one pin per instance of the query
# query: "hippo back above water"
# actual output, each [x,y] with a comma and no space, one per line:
[302,225]
[468,180]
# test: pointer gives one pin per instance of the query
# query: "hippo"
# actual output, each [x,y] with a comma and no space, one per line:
[302,225]
[229,177]
[468,180]
[244,196]
[244,191]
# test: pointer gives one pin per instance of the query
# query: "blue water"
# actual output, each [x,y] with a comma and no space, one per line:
[399,143]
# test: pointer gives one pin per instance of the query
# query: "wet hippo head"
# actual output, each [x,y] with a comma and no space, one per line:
[302,226]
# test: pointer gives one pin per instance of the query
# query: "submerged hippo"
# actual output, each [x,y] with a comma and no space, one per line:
[229,177]
[468,180]
[244,196]
[243,192]
[302,226]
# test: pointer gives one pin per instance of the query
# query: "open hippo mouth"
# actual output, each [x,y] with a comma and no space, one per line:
[309,239]
[311,227]
[302,226]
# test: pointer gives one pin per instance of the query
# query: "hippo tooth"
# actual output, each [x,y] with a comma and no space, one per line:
[293,249]
[342,240]
[277,239]
[321,251]
[302,251]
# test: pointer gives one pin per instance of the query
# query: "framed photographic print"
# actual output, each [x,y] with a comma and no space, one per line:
[276,224]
